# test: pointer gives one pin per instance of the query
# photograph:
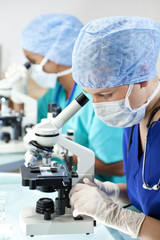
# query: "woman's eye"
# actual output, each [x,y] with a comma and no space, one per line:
[101,97]
[106,95]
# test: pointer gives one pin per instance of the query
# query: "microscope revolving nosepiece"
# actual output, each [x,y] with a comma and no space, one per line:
[35,150]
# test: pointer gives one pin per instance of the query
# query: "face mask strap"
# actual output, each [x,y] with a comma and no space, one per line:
[129,90]
[149,99]
[128,94]
[60,74]
[43,62]
[65,72]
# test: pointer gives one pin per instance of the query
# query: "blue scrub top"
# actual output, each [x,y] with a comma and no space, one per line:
[89,131]
[147,201]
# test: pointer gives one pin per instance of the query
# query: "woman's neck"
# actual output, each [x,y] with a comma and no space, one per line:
[153,104]
[67,83]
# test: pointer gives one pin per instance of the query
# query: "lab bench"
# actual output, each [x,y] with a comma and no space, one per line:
[16,197]
[10,162]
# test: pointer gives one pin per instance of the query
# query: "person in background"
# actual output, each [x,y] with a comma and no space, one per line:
[114,60]
[48,42]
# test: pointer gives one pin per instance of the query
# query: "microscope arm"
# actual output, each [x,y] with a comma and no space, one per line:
[86,158]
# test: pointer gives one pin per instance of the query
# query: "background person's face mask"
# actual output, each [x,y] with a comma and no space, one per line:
[119,113]
[44,79]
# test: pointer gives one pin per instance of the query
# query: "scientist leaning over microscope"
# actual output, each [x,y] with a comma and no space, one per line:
[114,60]
[48,42]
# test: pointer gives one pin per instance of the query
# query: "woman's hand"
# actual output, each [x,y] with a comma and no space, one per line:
[91,201]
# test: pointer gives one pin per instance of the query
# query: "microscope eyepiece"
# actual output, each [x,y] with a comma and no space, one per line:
[82,99]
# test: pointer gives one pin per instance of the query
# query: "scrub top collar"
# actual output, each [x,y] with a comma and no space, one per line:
[134,149]
[70,96]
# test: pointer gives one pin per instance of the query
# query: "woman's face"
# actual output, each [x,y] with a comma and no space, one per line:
[136,97]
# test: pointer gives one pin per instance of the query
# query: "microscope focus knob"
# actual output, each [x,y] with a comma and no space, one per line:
[45,206]
[5,136]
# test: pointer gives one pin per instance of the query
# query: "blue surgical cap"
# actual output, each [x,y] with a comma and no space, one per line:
[116,51]
[52,36]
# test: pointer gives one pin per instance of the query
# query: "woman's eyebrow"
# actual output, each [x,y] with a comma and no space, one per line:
[102,93]
[105,93]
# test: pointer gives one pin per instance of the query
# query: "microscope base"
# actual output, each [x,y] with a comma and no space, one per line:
[33,223]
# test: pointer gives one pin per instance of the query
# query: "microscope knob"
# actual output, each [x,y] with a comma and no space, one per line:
[5,136]
[54,109]
[70,132]
[47,215]
[27,126]
[45,206]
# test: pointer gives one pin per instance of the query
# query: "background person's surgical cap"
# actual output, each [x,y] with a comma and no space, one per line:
[116,51]
[52,36]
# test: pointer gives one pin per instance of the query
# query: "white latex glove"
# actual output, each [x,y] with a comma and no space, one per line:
[15,72]
[111,189]
[16,75]
[91,201]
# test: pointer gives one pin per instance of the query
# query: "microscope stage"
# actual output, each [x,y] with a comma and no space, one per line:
[33,223]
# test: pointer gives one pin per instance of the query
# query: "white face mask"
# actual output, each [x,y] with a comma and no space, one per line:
[119,113]
[44,79]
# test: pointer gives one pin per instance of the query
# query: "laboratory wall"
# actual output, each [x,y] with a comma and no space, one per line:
[15,15]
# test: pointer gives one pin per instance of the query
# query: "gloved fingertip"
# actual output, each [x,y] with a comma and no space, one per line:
[86,180]
[75,213]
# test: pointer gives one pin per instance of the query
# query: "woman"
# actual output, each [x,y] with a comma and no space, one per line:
[48,43]
[114,60]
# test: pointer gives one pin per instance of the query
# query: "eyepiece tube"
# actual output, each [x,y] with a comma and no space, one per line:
[82,99]
[70,110]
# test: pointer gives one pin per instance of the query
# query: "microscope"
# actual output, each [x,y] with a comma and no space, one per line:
[13,123]
[50,216]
